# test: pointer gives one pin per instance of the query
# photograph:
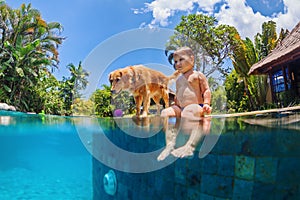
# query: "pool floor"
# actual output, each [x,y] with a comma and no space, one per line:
[43,161]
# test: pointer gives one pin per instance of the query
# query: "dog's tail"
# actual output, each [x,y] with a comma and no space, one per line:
[174,75]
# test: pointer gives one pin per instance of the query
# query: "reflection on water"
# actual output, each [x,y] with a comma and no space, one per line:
[6,120]
[184,135]
[288,120]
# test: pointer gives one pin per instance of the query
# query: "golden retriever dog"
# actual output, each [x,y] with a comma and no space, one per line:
[143,83]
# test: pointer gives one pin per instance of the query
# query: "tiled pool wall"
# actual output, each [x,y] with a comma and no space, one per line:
[248,162]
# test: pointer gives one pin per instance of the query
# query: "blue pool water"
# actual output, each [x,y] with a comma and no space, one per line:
[49,157]
[256,157]
[42,158]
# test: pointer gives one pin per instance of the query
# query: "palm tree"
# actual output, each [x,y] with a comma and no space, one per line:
[79,78]
[72,85]
[28,46]
[266,41]
[245,54]
[243,57]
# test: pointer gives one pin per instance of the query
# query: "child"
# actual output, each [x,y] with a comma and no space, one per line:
[192,101]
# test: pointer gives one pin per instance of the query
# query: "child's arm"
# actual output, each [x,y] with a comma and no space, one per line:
[206,93]
[205,89]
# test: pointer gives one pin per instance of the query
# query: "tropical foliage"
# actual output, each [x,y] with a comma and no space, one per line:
[71,86]
[213,44]
[106,104]
[83,107]
[102,99]
[209,41]
[235,91]
[244,55]
[28,52]
[28,56]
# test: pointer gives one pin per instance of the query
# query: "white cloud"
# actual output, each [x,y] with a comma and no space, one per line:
[291,17]
[163,9]
[207,5]
[249,23]
[242,17]
[234,12]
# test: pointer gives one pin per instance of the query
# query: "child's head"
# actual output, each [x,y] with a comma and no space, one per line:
[184,59]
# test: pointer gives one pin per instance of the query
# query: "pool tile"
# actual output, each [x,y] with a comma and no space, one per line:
[193,194]
[227,140]
[206,197]
[180,175]
[242,189]
[288,171]
[194,180]
[244,167]
[122,190]
[266,169]
[264,143]
[263,191]
[286,191]
[180,192]
[226,165]
[209,164]
[247,142]
[287,143]
[195,164]
[218,186]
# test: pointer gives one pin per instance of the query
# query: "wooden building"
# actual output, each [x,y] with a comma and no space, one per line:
[282,66]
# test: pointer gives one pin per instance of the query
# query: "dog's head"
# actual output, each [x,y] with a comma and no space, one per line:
[120,80]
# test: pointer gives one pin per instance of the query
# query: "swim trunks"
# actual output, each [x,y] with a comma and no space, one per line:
[201,104]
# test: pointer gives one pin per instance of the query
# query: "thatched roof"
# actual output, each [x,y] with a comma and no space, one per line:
[286,50]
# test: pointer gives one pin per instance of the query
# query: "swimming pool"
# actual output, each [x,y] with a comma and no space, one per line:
[241,158]
[42,158]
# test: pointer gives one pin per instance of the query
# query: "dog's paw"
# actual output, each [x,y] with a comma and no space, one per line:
[144,114]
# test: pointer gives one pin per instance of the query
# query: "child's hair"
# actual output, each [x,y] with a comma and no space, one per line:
[185,50]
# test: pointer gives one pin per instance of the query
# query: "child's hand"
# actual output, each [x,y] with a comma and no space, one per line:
[206,109]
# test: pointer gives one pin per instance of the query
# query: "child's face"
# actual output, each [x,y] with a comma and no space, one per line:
[183,62]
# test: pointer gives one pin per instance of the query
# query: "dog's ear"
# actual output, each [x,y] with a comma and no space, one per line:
[110,78]
[120,73]
[113,77]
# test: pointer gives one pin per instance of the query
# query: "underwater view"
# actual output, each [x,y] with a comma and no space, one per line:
[50,157]
[144,100]
[42,158]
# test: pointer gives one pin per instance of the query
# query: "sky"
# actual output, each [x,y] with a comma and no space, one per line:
[108,31]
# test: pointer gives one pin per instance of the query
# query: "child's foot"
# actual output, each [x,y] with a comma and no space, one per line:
[184,151]
[165,153]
